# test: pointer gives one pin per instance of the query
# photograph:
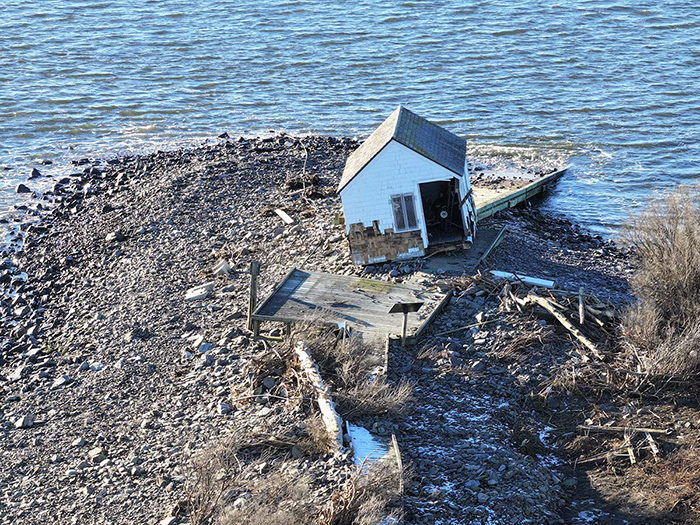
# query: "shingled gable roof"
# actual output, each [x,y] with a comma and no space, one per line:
[414,132]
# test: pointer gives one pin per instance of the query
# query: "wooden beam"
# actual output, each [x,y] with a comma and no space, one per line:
[431,317]
[599,428]
[283,215]
[547,305]
[329,416]
[253,297]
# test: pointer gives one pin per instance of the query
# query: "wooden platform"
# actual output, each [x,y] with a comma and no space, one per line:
[362,303]
[490,200]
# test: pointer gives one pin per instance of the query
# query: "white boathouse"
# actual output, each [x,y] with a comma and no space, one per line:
[406,191]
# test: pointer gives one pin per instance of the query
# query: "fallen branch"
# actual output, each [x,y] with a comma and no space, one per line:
[329,416]
[599,428]
[547,305]
[475,325]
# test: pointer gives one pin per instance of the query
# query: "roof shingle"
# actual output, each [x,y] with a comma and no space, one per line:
[417,134]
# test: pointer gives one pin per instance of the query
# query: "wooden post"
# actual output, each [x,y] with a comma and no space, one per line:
[253,299]
[581,308]
[404,328]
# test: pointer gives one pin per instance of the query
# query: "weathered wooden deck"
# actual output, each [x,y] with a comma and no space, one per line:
[491,200]
[362,303]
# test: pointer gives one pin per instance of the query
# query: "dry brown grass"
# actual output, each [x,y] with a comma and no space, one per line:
[351,368]
[369,497]
[675,485]
[664,323]
[243,477]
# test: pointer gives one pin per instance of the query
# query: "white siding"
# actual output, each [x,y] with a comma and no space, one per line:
[395,170]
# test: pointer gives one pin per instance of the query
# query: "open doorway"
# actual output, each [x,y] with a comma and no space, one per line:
[443,217]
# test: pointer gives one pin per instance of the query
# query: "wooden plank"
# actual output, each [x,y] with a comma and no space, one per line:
[327,298]
[492,246]
[433,315]
[274,291]
[283,215]
[514,198]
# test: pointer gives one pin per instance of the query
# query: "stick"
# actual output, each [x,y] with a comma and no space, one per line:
[599,428]
[652,446]
[544,303]
[581,308]
[253,298]
[283,215]
[330,417]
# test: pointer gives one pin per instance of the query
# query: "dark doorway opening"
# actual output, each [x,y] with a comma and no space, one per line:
[443,217]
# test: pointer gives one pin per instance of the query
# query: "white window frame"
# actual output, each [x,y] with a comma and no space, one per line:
[403,196]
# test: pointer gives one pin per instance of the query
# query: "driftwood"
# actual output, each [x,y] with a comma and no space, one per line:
[330,417]
[547,305]
[600,428]
[532,281]
[283,215]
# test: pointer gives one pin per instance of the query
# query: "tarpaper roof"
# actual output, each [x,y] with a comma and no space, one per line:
[414,132]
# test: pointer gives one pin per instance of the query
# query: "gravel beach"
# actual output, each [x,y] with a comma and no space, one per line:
[110,380]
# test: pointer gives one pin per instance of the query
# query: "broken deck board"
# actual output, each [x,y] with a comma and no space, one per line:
[489,201]
[361,303]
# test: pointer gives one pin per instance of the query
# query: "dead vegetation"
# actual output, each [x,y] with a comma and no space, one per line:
[664,324]
[370,497]
[256,478]
[353,368]
[249,481]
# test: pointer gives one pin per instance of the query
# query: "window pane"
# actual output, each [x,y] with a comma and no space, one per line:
[399,222]
[410,212]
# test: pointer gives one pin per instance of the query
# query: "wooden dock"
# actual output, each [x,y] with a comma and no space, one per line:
[362,303]
[489,200]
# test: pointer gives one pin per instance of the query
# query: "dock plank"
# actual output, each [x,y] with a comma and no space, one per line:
[362,303]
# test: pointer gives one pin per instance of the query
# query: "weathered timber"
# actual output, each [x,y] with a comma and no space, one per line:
[359,302]
[329,416]
[599,428]
[502,202]
[547,305]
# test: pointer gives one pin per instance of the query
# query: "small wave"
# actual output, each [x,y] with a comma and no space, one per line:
[508,32]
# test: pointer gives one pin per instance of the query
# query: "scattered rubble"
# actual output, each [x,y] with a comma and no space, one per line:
[124,335]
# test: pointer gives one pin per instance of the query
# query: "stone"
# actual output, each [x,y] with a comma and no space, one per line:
[169,520]
[60,382]
[97,455]
[200,292]
[223,409]
[78,442]
[482,498]
[270,382]
[478,367]
[35,174]
[83,367]
[115,236]
[24,422]
[204,348]
[22,188]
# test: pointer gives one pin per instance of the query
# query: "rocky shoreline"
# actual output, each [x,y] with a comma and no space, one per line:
[110,381]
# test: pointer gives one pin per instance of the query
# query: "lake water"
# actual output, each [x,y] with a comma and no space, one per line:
[611,87]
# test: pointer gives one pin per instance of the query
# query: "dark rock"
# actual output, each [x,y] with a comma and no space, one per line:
[22,188]
[35,174]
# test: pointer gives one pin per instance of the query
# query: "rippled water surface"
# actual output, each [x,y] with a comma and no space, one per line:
[610,86]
